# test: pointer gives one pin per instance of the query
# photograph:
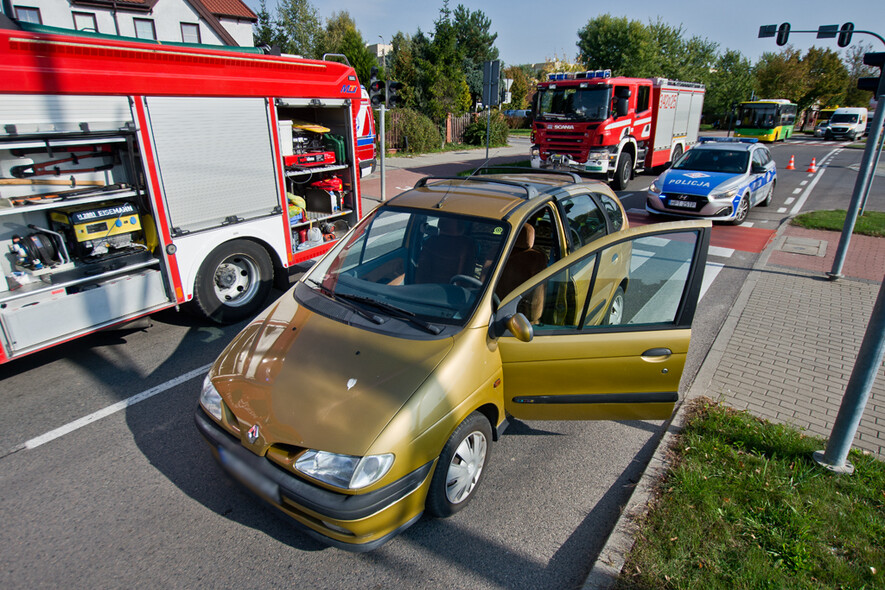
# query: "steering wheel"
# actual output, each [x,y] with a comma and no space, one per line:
[472,281]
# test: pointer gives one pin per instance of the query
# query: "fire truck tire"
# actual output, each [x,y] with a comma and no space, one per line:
[623,172]
[233,282]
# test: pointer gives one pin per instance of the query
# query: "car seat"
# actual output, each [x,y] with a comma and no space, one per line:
[447,254]
[525,262]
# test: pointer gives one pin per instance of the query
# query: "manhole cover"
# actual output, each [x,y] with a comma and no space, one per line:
[806,246]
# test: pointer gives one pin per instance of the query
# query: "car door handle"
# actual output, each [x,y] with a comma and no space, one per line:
[657,354]
[614,257]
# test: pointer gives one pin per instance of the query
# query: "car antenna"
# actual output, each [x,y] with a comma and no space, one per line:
[468,177]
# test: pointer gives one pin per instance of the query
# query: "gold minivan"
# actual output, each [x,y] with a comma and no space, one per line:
[372,390]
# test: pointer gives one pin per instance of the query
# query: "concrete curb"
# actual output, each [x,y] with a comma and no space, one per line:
[607,568]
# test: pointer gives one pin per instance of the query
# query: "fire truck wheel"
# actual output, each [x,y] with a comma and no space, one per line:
[233,282]
[623,172]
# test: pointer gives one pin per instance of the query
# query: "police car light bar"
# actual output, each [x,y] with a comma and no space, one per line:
[580,75]
[729,139]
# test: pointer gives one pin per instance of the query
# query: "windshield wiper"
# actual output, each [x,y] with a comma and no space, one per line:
[395,311]
[342,299]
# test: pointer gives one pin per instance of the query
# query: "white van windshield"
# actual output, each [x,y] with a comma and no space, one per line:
[843,118]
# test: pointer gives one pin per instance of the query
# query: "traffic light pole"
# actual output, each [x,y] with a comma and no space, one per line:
[383,151]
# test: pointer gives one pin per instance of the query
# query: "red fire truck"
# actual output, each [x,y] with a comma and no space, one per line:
[136,177]
[613,127]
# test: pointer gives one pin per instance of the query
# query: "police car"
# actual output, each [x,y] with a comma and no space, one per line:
[717,179]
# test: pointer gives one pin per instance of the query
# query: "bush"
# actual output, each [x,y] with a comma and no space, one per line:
[475,134]
[411,132]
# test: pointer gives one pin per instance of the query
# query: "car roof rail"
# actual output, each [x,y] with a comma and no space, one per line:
[576,178]
[530,191]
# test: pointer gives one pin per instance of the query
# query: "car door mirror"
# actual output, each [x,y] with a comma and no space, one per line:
[758,169]
[516,323]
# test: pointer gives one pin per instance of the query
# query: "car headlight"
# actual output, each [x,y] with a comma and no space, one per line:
[725,194]
[210,399]
[655,187]
[344,471]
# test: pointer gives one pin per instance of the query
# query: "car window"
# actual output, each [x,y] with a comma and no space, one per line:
[714,160]
[546,234]
[761,157]
[647,277]
[430,266]
[585,220]
[613,212]
[654,284]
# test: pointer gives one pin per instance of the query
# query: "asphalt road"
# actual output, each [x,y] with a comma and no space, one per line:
[133,497]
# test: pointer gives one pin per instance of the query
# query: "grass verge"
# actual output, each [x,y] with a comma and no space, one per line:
[871,223]
[744,505]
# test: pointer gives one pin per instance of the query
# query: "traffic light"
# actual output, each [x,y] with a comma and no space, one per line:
[783,33]
[845,35]
[876,85]
[376,89]
[393,96]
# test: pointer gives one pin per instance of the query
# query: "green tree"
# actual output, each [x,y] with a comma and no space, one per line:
[520,89]
[362,60]
[266,32]
[475,43]
[781,75]
[856,70]
[730,82]
[626,47]
[299,24]
[826,79]
[332,37]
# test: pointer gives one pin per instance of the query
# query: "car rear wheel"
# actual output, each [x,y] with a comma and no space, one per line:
[615,314]
[460,466]
[233,282]
[742,210]
[768,197]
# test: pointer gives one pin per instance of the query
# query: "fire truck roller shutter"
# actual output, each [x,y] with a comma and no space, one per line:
[233,282]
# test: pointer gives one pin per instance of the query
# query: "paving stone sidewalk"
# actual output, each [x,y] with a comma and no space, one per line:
[795,343]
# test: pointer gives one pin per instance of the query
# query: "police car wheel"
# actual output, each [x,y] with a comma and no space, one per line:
[742,210]
[767,201]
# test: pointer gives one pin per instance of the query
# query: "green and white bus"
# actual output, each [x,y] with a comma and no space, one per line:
[766,120]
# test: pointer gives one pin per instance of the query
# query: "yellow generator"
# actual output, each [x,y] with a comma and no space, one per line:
[96,229]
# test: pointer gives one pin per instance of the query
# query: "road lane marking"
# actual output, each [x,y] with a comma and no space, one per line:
[720,251]
[789,201]
[798,190]
[782,210]
[112,409]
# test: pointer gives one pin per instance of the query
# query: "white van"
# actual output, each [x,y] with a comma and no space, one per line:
[847,123]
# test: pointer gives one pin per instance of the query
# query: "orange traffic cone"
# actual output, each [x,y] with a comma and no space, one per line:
[813,166]
[792,164]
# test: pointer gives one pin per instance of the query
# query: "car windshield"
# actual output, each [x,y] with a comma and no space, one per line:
[843,118]
[422,268]
[729,161]
[574,104]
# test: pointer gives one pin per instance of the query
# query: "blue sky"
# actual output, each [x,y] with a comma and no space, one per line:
[525,35]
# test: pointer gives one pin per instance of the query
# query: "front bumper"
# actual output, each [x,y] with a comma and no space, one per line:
[355,522]
[696,206]
[601,162]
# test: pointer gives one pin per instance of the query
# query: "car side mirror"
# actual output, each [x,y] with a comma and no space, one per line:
[623,107]
[758,169]
[516,323]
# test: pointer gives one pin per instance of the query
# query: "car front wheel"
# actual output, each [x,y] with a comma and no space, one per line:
[460,466]
[743,209]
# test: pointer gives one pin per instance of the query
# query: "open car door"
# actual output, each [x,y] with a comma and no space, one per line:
[612,339]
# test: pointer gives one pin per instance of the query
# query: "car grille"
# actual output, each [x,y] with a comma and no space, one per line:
[570,142]
[682,202]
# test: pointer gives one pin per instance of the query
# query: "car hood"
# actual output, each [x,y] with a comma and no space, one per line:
[693,182]
[313,382]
